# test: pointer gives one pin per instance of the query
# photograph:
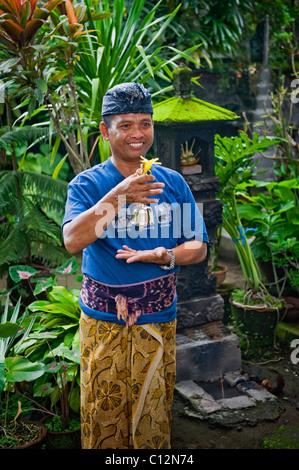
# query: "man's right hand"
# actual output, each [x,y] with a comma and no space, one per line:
[139,189]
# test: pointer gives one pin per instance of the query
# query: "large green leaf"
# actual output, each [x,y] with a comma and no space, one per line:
[20,272]
[69,267]
[44,284]
[43,390]
[62,295]
[20,368]
[70,354]
[8,329]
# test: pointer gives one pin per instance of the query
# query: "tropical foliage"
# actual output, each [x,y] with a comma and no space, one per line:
[34,49]
[57,60]
[274,213]
[283,21]
[235,168]
[65,55]
[219,26]
[29,231]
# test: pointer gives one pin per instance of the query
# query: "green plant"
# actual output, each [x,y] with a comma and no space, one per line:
[28,231]
[286,152]
[15,368]
[74,54]
[33,50]
[37,282]
[54,341]
[283,22]
[235,168]
[124,47]
[65,387]
[62,311]
[275,214]
[57,323]
[219,27]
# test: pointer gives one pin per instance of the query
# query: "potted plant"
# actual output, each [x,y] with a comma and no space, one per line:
[14,369]
[252,307]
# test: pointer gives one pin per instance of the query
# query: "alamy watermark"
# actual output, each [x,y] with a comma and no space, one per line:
[295,353]
[295,93]
[169,221]
[2,92]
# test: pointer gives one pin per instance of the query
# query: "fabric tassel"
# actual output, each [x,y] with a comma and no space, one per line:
[122,307]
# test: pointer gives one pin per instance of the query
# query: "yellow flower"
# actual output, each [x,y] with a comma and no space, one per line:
[147,164]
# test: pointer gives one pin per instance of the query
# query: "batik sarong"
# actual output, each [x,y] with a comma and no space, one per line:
[127,382]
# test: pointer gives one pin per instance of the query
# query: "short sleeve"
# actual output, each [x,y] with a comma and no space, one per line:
[77,202]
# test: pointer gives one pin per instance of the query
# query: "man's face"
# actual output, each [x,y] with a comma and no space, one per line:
[130,136]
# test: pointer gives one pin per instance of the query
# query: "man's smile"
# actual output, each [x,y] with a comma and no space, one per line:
[136,144]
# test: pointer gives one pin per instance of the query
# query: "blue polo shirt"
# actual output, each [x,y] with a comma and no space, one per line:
[176,217]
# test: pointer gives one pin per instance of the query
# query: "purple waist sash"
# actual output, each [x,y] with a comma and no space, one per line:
[130,301]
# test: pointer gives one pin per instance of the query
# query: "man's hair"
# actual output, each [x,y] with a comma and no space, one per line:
[107,119]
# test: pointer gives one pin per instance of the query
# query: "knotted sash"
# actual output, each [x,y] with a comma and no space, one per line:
[130,301]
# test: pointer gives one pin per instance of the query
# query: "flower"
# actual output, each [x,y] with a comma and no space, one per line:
[147,164]
[108,332]
[109,395]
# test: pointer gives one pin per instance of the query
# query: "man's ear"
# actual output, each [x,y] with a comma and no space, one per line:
[104,131]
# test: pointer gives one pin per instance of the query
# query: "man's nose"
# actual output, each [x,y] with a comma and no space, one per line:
[137,132]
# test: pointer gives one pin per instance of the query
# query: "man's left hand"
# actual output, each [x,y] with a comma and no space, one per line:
[159,255]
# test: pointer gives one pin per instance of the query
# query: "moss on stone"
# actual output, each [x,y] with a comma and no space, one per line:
[285,437]
[179,110]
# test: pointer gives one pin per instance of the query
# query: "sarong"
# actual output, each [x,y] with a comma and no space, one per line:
[127,382]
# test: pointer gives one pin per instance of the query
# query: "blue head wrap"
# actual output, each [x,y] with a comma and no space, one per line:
[127,98]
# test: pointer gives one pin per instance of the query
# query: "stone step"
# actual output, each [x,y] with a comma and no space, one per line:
[264,87]
[206,352]
[263,98]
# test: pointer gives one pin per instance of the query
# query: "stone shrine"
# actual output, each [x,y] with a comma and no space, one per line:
[185,128]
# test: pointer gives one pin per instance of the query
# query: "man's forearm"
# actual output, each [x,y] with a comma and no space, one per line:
[190,252]
[87,227]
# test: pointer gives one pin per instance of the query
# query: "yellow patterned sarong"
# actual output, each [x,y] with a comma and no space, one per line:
[127,382]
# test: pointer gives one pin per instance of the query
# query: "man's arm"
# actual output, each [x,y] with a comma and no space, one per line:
[87,227]
[190,252]
[84,229]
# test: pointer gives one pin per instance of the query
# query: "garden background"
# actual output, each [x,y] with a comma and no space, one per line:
[57,60]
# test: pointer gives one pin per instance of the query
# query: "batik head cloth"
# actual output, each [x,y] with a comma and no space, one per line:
[127,98]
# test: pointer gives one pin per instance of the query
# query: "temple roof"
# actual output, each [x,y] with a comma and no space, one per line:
[190,110]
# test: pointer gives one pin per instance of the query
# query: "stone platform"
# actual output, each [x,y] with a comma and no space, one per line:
[234,400]
[206,352]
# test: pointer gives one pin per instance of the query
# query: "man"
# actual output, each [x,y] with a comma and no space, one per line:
[128,296]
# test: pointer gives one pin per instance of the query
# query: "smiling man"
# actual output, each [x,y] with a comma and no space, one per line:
[128,295]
